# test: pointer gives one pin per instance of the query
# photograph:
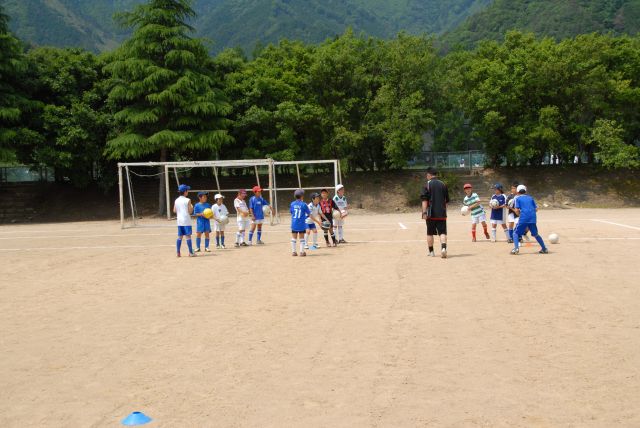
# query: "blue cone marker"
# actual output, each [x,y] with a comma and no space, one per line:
[136,418]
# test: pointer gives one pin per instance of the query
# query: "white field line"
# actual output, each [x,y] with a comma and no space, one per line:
[402,226]
[400,241]
[616,224]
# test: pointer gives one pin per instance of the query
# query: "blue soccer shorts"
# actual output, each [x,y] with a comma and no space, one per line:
[521,229]
[185,231]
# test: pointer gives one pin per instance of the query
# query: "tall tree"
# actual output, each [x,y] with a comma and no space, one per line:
[15,104]
[165,95]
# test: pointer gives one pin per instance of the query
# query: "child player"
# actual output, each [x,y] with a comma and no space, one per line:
[511,213]
[243,217]
[256,204]
[525,206]
[326,207]
[341,201]
[219,210]
[203,225]
[472,200]
[315,217]
[497,213]
[183,208]
[299,213]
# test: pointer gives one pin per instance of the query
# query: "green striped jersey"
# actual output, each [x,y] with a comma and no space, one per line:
[470,200]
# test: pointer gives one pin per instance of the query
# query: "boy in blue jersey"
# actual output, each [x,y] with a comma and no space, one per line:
[497,213]
[203,225]
[299,213]
[525,206]
[256,206]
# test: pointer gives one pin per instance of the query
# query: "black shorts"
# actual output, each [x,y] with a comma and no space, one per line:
[436,227]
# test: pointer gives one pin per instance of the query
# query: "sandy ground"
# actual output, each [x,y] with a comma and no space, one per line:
[97,322]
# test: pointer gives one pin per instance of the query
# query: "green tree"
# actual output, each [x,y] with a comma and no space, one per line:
[613,152]
[164,93]
[16,107]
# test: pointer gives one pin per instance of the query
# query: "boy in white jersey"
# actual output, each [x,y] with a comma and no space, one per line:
[242,210]
[314,218]
[472,200]
[219,211]
[338,222]
[183,209]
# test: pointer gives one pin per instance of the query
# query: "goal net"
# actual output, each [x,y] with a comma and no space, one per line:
[147,189]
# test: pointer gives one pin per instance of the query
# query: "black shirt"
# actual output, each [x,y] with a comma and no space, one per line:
[437,194]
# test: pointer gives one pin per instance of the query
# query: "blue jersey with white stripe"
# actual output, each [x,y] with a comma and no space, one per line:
[199,208]
[299,213]
[498,213]
[256,203]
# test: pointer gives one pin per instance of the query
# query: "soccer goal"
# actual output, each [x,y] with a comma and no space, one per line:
[144,186]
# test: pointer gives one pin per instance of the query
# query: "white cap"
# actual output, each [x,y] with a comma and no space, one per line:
[218,196]
[521,187]
[339,186]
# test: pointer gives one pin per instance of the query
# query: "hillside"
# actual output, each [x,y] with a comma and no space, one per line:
[230,23]
[558,19]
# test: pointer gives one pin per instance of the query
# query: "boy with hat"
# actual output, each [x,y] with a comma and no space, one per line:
[243,217]
[472,200]
[219,210]
[315,217]
[326,208]
[203,225]
[299,213]
[341,202]
[256,210]
[525,206]
[183,208]
[497,212]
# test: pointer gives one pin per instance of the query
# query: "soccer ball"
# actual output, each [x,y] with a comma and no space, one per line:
[337,214]
[493,203]
[464,210]
[511,202]
[554,238]
[266,210]
[207,213]
[326,225]
[224,219]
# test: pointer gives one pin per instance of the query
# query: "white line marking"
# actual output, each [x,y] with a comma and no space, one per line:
[616,224]
[402,226]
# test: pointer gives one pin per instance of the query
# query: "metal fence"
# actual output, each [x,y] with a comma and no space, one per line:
[450,160]
[25,174]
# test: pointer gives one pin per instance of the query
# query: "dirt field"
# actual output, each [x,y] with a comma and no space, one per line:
[97,322]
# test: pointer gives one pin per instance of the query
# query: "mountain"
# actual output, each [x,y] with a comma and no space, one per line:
[558,19]
[230,23]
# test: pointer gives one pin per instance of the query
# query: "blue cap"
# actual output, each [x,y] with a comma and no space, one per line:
[183,188]
[136,418]
[298,193]
[498,186]
[203,193]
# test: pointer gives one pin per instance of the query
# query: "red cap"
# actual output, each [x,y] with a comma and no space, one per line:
[468,186]
[256,189]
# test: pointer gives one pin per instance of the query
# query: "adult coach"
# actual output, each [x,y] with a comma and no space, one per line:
[435,197]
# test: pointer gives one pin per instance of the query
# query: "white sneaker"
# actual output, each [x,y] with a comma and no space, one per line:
[431,254]
[444,253]
[306,247]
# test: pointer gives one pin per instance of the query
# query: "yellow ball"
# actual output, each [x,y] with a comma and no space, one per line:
[207,213]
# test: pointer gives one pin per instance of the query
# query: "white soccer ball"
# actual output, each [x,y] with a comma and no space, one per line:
[224,219]
[554,238]
[337,214]
[266,210]
[511,202]
[493,203]
[464,210]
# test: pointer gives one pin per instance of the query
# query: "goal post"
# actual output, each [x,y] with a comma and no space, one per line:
[137,192]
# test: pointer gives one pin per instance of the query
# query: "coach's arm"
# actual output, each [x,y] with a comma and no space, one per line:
[425,196]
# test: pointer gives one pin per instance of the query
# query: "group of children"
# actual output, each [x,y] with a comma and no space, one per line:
[251,216]
[521,215]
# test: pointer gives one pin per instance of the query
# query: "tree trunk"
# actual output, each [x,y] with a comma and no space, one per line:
[161,185]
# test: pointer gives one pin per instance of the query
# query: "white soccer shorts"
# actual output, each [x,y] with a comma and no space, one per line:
[497,221]
[243,223]
[218,227]
[261,221]
[475,219]
[338,222]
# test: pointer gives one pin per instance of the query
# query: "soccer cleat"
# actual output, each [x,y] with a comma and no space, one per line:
[510,241]
[237,245]
[197,250]
[306,247]
[444,253]
[543,251]
[178,254]
[206,250]
[303,254]
[313,247]
[244,244]
[515,251]
[294,254]
[259,243]
[223,247]
[192,254]
[218,247]
[431,254]
[486,235]
[342,241]
[473,239]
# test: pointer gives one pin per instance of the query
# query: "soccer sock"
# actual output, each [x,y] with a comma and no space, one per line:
[340,233]
[259,235]
[222,239]
[541,242]
[516,240]
[326,237]
[293,245]
[198,242]
[190,246]
[506,232]
[250,235]
[206,243]
[510,234]
[315,239]
[217,240]
[431,249]
[242,237]
[303,242]
[493,234]
[237,237]
[178,245]
[333,236]
[473,234]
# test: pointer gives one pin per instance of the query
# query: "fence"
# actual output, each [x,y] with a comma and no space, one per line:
[450,160]
[25,174]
